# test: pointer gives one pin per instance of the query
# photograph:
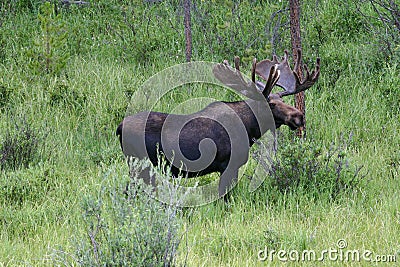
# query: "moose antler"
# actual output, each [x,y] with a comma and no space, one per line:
[289,80]
[233,78]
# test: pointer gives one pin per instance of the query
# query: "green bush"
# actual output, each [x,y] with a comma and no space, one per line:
[127,227]
[20,145]
[5,94]
[304,166]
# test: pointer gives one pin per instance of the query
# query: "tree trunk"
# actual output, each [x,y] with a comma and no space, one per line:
[188,30]
[296,44]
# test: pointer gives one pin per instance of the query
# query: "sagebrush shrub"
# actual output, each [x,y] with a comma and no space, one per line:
[127,227]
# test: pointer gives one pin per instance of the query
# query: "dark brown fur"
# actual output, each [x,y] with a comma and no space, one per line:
[141,134]
[200,128]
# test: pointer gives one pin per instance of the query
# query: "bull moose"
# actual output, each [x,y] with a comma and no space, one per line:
[189,137]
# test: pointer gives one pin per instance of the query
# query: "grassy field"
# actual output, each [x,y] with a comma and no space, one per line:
[66,82]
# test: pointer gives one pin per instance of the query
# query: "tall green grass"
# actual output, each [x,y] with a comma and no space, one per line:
[114,46]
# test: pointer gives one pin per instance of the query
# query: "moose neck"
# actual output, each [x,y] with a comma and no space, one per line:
[251,112]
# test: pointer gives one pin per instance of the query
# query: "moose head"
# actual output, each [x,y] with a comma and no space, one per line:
[180,137]
[291,82]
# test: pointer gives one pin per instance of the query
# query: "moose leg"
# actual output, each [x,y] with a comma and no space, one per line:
[147,177]
[144,174]
[228,179]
